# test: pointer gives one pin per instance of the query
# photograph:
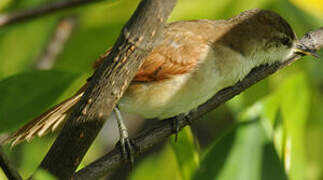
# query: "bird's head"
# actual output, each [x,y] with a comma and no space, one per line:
[264,36]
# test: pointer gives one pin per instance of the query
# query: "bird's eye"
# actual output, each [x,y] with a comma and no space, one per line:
[285,41]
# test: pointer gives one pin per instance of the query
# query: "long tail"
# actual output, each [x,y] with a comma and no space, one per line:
[46,122]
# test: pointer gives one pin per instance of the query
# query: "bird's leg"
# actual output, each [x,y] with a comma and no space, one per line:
[175,127]
[124,141]
[175,123]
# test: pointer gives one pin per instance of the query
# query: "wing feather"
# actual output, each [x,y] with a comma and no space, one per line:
[179,52]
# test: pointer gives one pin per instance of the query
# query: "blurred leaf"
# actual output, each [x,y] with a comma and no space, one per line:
[314,134]
[20,44]
[247,152]
[273,121]
[26,95]
[186,154]
[286,112]
[187,9]
[314,7]
[295,107]
[27,156]
[214,158]
[85,54]
[2,175]
[4,4]
[177,161]
[42,174]
[161,166]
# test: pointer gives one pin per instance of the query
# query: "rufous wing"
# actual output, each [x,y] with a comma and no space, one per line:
[156,67]
[179,53]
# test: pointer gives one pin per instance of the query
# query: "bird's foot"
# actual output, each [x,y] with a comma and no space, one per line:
[126,146]
[125,143]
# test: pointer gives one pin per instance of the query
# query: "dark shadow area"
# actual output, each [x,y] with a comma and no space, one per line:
[272,167]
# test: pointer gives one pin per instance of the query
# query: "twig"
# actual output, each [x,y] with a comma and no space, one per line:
[313,39]
[164,128]
[14,17]
[106,87]
[56,44]
[7,168]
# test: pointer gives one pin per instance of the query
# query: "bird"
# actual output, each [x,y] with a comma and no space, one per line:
[193,61]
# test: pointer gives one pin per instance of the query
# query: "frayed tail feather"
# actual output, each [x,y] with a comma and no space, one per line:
[45,123]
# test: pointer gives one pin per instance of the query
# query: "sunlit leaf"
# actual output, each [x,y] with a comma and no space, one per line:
[43,174]
[2,175]
[31,154]
[4,3]
[295,107]
[186,154]
[161,166]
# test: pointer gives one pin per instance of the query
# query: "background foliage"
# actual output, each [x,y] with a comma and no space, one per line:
[271,131]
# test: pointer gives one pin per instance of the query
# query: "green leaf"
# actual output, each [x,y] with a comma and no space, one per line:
[26,95]
[295,106]
[2,175]
[21,44]
[161,166]
[244,153]
[3,4]
[43,174]
[186,154]
[178,160]
[187,9]
[214,158]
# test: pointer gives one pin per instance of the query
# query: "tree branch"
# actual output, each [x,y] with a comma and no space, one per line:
[56,44]
[7,168]
[163,129]
[14,17]
[106,87]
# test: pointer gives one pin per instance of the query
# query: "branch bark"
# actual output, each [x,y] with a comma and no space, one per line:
[14,17]
[163,129]
[106,87]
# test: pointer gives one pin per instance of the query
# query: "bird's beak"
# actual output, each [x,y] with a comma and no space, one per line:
[305,51]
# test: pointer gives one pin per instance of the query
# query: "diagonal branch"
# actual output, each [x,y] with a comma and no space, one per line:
[163,129]
[106,87]
[14,17]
